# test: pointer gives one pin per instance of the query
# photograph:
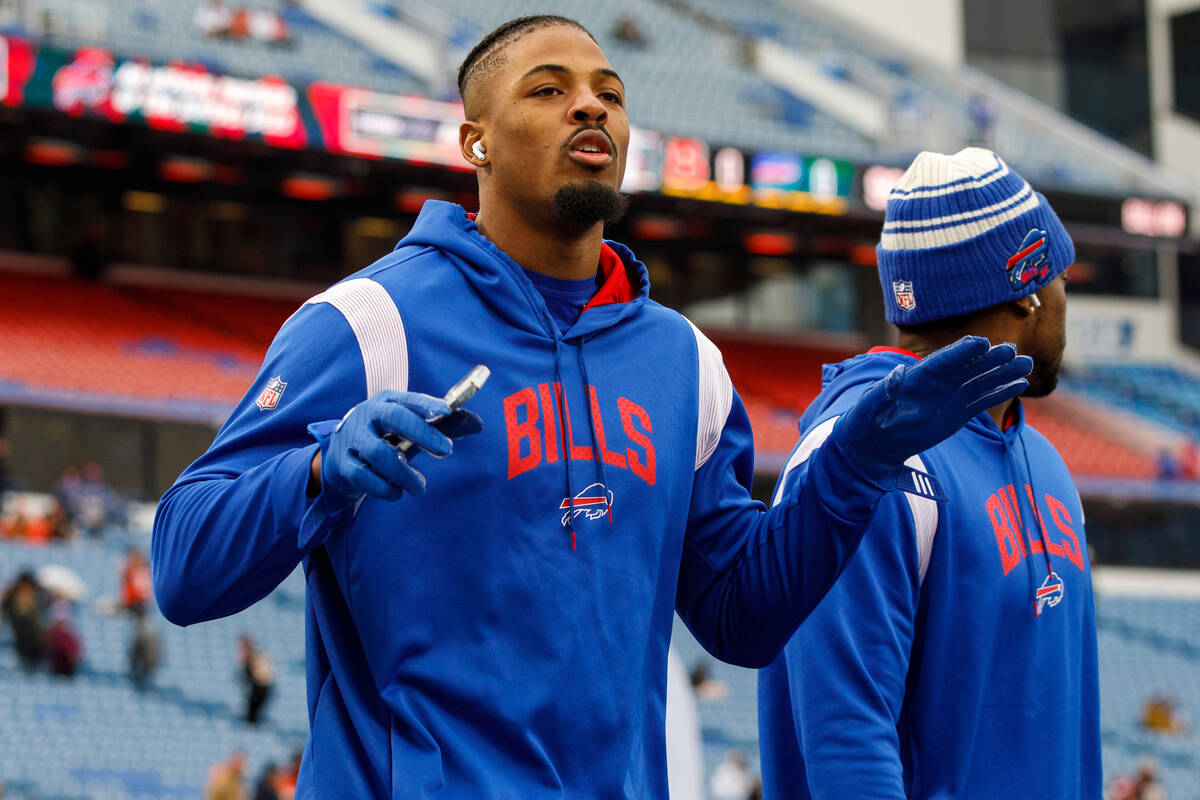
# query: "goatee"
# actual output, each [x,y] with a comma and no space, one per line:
[579,206]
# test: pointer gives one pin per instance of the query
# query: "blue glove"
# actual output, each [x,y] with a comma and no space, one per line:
[918,405]
[357,460]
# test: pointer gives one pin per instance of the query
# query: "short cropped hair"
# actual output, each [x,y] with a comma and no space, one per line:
[484,58]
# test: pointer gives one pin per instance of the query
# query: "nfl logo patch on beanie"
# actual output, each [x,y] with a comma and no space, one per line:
[962,233]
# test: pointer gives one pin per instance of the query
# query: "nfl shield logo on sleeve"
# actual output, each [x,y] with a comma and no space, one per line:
[270,395]
[904,295]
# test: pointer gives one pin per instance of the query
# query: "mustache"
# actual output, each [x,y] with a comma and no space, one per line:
[612,144]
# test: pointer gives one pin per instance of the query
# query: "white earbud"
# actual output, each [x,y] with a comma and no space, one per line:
[479,150]
[1034,303]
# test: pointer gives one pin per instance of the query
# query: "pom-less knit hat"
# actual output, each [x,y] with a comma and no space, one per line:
[965,232]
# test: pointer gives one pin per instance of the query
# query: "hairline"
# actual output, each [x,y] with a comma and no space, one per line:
[482,63]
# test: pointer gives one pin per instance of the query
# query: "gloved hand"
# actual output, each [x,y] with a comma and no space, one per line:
[918,405]
[357,460]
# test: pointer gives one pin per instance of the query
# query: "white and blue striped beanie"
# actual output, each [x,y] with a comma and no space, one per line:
[965,232]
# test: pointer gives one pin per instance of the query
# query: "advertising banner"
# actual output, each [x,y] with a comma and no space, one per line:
[193,98]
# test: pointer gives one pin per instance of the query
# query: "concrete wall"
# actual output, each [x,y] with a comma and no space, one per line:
[1176,138]
[933,28]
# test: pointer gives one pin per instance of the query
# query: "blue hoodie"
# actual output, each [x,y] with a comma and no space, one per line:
[946,662]
[484,640]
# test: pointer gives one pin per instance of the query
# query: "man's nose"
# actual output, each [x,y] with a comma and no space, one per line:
[589,108]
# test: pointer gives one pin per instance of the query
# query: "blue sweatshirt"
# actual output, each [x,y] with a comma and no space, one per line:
[947,662]
[485,640]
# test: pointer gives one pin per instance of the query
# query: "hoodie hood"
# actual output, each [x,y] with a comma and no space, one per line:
[503,285]
[879,361]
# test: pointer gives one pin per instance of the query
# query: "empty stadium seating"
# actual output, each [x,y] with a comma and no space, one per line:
[777,381]
[1148,645]
[191,354]
[165,31]
[188,353]
[1162,393]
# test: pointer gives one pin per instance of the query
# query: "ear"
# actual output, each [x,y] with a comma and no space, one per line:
[470,141]
[1026,306]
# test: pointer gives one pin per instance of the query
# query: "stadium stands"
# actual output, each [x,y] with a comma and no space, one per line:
[1148,645]
[188,354]
[777,381]
[95,736]
[1162,393]
[165,31]
[192,353]
[693,74]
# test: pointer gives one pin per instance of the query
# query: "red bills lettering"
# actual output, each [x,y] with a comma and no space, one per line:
[551,424]
[537,416]
[519,432]
[1011,529]
[1006,538]
[616,459]
[578,453]
[1062,519]
[630,410]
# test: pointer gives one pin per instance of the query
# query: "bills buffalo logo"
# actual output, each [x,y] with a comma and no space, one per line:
[903,290]
[594,502]
[84,83]
[269,398]
[1050,593]
[1030,263]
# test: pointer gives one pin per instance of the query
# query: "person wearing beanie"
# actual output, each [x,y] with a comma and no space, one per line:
[956,655]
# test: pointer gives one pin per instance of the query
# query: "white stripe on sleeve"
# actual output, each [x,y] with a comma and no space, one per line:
[814,439]
[925,521]
[716,397]
[377,326]
[924,510]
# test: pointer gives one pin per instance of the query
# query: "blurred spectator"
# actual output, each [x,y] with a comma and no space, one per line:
[213,18]
[64,651]
[627,30]
[24,603]
[286,777]
[90,504]
[732,780]
[258,675]
[265,788]
[145,653]
[1165,465]
[983,118]
[278,782]
[22,519]
[7,482]
[1189,461]
[1162,715]
[265,25]
[136,586]
[705,687]
[225,779]
[1143,785]
[68,490]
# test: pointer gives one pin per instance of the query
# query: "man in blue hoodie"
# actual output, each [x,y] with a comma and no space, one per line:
[956,656]
[502,630]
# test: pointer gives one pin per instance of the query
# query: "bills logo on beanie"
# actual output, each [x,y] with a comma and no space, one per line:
[965,232]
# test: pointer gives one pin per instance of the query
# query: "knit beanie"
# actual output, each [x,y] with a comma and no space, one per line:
[965,232]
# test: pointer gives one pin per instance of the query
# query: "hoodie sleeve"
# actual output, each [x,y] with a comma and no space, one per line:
[238,521]
[846,702]
[748,577]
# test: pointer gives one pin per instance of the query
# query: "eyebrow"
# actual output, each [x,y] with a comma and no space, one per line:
[561,69]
